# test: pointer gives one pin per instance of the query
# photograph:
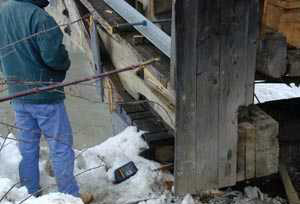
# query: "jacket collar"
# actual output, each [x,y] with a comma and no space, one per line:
[39,3]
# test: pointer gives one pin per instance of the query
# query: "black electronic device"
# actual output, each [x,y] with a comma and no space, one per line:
[125,172]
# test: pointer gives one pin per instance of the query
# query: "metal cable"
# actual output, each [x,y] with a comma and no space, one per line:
[46,31]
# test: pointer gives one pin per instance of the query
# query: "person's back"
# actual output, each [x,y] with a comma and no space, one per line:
[31,55]
[31,50]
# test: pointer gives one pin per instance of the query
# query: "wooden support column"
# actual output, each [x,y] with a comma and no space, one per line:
[216,54]
[173,49]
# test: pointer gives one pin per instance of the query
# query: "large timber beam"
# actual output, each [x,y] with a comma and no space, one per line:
[216,55]
[153,33]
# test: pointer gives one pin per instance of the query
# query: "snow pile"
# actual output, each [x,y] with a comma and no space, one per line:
[112,154]
[271,92]
[188,199]
[56,198]
[9,159]
[17,194]
[99,163]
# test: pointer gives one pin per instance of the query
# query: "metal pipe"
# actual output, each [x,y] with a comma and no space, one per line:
[142,23]
[153,33]
[60,85]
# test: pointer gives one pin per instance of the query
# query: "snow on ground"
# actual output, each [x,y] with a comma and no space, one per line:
[270,92]
[108,156]
[146,187]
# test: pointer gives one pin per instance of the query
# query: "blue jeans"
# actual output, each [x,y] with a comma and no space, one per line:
[51,120]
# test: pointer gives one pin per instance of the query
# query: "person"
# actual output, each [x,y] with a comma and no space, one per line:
[32,55]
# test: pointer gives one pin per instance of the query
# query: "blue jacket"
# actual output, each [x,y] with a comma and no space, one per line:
[34,62]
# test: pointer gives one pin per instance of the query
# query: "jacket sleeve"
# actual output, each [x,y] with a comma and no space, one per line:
[50,43]
[1,68]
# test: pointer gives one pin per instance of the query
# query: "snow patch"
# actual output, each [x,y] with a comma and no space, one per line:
[9,158]
[146,187]
[188,199]
[271,92]
[107,157]
[56,198]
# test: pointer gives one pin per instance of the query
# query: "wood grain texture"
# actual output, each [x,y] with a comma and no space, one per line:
[185,142]
[290,26]
[267,145]
[272,55]
[246,151]
[283,16]
[294,62]
[233,70]
[208,93]
[253,34]
[216,54]
[123,52]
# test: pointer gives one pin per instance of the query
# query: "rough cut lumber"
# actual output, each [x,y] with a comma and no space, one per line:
[173,50]
[164,153]
[290,190]
[294,62]
[246,151]
[283,16]
[286,4]
[216,55]
[122,51]
[153,8]
[272,55]
[271,16]
[258,147]
[290,26]
[267,145]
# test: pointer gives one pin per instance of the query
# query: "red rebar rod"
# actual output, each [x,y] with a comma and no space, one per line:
[60,85]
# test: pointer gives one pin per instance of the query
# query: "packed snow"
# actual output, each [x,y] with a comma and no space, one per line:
[146,187]
[105,158]
[271,92]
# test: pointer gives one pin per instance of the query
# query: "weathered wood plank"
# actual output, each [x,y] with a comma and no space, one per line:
[294,62]
[132,82]
[250,152]
[272,55]
[246,151]
[267,145]
[291,192]
[123,52]
[186,39]
[290,26]
[172,84]
[234,67]
[208,92]
[232,51]
[286,4]
[108,19]
[253,33]
[216,35]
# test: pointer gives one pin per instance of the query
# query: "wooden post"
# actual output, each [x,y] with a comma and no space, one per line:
[173,47]
[216,54]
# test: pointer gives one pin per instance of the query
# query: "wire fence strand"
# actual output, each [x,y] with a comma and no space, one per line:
[46,31]
[56,85]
